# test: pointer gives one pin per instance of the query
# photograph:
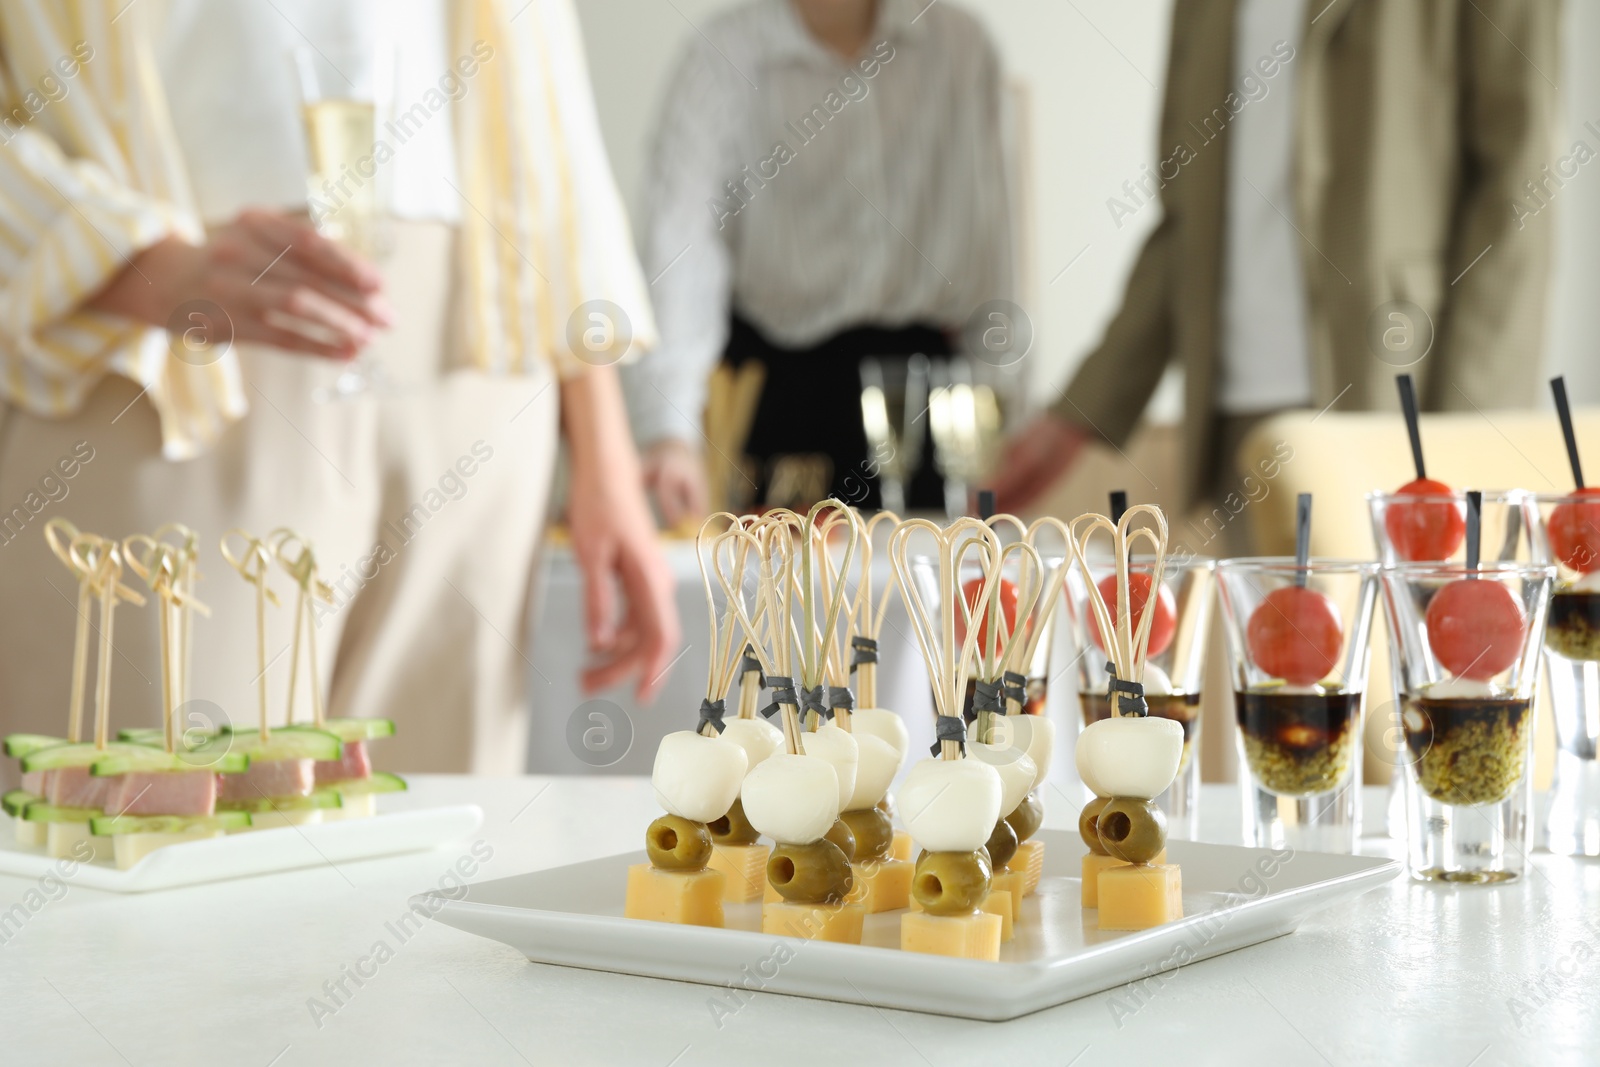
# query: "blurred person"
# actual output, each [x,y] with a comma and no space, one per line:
[827,183]
[1340,186]
[154,175]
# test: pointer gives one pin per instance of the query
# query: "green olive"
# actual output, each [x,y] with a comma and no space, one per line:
[886,805]
[678,844]
[1087,828]
[1002,844]
[1133,830]
[1028,817]
[873,832]
[733,828]
[951,883]
[817,873]
[841,835]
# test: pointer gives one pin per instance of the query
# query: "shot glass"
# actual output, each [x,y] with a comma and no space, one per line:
[1173,665]
[1569,530]
[1298,640]
[1432,528]
[1465,649]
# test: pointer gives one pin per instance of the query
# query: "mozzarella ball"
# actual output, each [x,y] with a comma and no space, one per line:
[881,722]
[1033,735]
[1130,757]
[1017,772]
[837,749]
[697,777]
[876,768]
[950,805]
[792,799]
[758,737]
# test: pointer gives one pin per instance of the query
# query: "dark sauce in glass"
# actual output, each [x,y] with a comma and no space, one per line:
[1298,744]
[1466,751]
[1573,630]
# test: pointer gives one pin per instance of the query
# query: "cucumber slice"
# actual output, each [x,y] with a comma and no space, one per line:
[83,754]
[318,799]
[106,825]
[19,745]
[43,812]
[359,729]
[16,801]
[380,782]
[214,757]
[143,735]
[288,742]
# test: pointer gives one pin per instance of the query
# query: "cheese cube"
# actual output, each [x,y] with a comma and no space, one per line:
[129,849]
[693,898]
[1009,881]
[1137,896]
[357,806]
[814,922]
[745,867]
[277,820]
[999,902]
[900,846]
[882,886]
[30,834]
[1093,864]
[1030,861]
[72,840]
[969,937]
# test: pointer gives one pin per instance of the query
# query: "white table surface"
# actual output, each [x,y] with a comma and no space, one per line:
[222,974]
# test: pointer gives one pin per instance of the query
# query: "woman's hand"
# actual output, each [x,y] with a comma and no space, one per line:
[675,476]
[614,542]
[279,281]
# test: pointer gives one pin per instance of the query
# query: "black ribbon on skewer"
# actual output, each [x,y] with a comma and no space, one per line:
[1015,687]
[865,651]
[839,696]
[711,711]
[748,663]
[815,699]
[986,697]
[782,693]
[1135,690]
[949,728]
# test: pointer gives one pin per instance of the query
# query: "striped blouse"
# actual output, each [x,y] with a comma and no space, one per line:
[813,194]
[90,173]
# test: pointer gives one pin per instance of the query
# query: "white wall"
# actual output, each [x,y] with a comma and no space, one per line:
[1093,70]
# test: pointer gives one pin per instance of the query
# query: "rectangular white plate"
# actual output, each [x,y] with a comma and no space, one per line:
[285,848]
[1233,897]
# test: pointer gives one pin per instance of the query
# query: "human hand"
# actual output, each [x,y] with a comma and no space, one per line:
[1035,457]
[279,281]
[676,478]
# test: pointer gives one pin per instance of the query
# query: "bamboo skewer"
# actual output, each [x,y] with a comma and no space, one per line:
[723,661]
[161,567]
[189,574]
[54,531]
[865,623]
[99,558]
[252,565]
[303,569]
[1125,646]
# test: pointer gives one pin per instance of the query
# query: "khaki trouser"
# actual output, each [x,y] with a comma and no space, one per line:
[425,507]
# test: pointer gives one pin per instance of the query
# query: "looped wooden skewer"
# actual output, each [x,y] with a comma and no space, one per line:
[1022,655]
[160,565]
[303,569]
[724,626]
[98,558]
[1125,645]
[936,637]
[866,619]
[187,545]
[253,563]
[990,656]
[59,533]
[820,574]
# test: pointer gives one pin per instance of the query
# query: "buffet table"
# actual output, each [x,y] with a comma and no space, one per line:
[323,966]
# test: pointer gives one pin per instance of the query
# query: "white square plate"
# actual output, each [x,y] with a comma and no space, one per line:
[284,848]
[1232,897]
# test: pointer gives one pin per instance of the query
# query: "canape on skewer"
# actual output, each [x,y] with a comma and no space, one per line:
[1129,759]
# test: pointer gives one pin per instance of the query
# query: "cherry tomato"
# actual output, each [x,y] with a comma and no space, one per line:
[1162,627]
[1296,634]
[1425,530]
[1475,628]
[1574,529]
[972,589]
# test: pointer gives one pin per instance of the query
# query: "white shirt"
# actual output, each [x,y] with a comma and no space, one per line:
[236,107]
[1266,359]
[870,192]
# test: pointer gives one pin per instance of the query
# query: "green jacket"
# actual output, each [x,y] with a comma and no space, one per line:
[1420,125]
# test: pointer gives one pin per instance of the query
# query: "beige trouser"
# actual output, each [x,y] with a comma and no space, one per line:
[425,505]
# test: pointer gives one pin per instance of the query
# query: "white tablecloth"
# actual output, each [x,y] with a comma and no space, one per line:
[230,973]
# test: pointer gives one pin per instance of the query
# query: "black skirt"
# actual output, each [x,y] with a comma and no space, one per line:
[811,405]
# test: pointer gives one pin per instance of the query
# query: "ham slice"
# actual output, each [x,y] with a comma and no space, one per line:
[163,793]
[75,787]
[36,782]
[354,764]
[274,778]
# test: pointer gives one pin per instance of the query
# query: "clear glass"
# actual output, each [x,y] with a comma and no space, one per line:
[1468,732]
[346,97]
[1180,659]
[894,413]
[1431,528]
[965,420]
[1299,737]
[1571,538]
